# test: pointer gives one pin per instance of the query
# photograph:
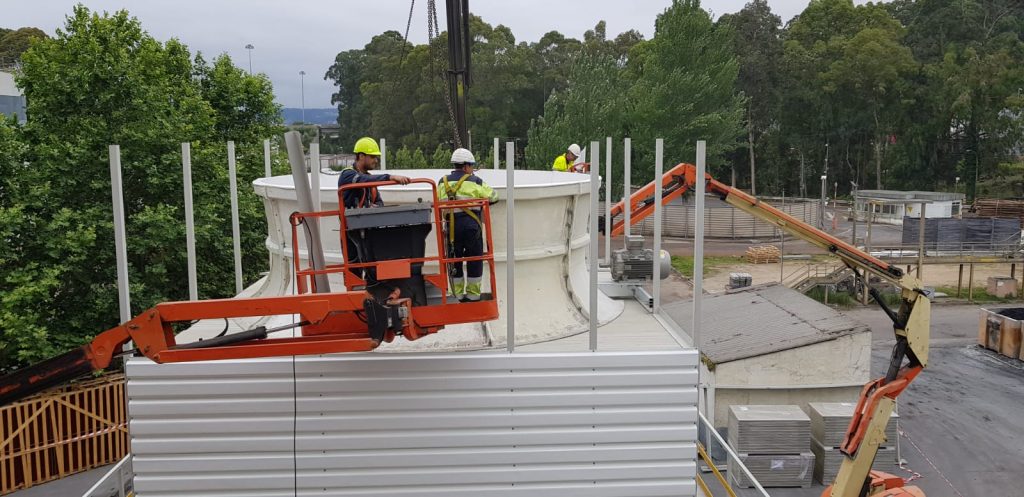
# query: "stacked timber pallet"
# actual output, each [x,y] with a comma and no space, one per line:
[763,254]
[772,442]
[991,207]
[829,422]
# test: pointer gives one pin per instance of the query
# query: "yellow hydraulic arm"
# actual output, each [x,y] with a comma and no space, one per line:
[910,323]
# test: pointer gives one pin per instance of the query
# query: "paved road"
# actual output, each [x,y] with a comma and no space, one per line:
[961,420]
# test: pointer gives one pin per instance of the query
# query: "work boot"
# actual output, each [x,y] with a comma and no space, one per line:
[458,289]
[473,290]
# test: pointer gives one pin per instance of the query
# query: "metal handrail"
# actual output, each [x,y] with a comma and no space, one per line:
[103,484]
[732,454]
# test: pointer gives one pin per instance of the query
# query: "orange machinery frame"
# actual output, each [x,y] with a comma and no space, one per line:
[910,345]
[330,322]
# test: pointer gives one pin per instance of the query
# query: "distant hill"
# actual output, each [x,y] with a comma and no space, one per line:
[293,115]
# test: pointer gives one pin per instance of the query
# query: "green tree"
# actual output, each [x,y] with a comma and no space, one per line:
[684,89]
[758,48]
[103,80]
[243,104]
[14,42]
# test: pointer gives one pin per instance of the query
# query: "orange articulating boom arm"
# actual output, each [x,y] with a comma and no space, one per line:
[350,321]
[910,323]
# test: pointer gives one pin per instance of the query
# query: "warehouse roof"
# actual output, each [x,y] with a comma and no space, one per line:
[762,320]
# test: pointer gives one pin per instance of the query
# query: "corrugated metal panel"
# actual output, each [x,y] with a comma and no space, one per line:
[772,318]
[482,423]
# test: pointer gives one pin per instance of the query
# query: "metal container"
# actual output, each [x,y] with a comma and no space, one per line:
[1000,330]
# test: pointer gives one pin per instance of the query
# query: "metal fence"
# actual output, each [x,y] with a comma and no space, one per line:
[722,220]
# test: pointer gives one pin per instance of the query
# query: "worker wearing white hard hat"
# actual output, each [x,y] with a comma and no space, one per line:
[569,161]
[464,233]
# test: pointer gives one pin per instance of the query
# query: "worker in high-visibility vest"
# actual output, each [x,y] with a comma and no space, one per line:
[367,158]
[464,233]
[565,163]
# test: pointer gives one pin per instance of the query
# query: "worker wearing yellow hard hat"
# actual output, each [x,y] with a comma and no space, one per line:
[465,235]
[367,158]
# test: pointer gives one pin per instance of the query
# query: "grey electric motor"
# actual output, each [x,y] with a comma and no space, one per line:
[636,262]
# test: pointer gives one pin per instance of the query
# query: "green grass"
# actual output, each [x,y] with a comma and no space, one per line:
[839,299]
[684,264]
[980,294]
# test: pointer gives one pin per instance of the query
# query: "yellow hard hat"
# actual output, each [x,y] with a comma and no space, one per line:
[366,145]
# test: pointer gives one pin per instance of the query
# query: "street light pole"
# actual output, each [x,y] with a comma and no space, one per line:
[249,48]
[302,88]
[822,219]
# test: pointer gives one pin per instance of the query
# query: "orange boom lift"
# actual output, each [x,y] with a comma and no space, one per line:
[393,277]
[910,324]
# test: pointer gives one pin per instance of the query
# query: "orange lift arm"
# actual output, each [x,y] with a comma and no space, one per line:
[349,321]
[910,324]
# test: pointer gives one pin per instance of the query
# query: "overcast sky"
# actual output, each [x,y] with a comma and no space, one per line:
[305,35]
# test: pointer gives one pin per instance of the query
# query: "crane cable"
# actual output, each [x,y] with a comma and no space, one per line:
[433,32]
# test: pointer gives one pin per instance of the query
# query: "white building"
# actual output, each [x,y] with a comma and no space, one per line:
[12,102]
[890,206]
[771,345]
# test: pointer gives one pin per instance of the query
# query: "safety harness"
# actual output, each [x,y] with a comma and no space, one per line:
[452,195]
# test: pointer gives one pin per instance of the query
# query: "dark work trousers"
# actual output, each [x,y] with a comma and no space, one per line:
[469,242]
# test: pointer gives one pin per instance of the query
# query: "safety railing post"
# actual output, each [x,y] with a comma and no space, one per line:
[266,159]
[608,200]
[659,168]
[120,242]
[496,153]
[510,245]
[627,191]
[235,230]
[595,167]
[383,155]
[190,222]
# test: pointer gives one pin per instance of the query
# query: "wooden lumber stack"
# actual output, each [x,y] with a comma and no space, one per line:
[993,207]
[763,254]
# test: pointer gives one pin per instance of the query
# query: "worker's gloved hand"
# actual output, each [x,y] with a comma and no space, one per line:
[401,180]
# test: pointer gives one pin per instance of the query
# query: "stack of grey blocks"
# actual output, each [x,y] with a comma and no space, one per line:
[739,280]
[772,442]
[829,422]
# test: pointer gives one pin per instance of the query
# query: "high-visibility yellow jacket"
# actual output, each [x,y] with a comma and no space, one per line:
[464,186]
[561,164]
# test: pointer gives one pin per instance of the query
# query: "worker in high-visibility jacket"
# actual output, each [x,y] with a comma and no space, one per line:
[465,235]
[565,162]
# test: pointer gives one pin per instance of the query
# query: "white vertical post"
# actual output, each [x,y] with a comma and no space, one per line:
[266,159]
[626,188]
[920,244]
[698,243]
[496,156]
[235,232]
[190,222]
[383,155]
[510,245]
[314,245]
[595,167]
[120,246]
[314,174]
[608,201]
[659,168]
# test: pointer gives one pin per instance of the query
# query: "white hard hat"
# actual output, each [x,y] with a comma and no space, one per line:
[463,156]
[574,149]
